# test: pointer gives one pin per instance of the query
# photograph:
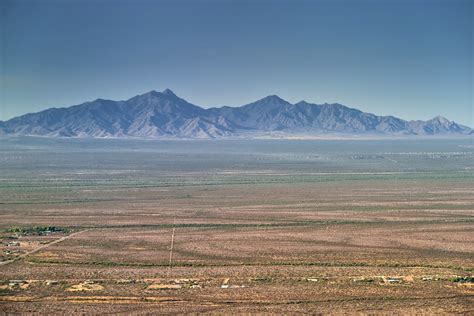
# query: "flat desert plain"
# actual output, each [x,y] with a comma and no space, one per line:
[236,226]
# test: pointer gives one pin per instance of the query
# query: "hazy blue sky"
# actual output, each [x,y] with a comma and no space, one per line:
[412,59]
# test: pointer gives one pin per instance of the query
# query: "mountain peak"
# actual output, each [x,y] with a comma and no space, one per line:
[271,99]
[440,119]
[156,94]
[168,92]
[302,102]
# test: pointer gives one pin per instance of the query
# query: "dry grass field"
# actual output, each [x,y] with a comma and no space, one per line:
[356,227]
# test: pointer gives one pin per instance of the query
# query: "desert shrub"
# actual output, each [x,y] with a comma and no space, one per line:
[37,230]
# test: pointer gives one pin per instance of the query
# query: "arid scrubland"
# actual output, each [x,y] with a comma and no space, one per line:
[262,226]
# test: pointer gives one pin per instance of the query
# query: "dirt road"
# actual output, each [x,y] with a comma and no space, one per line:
[57,241]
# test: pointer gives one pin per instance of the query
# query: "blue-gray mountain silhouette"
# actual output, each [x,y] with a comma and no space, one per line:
[163,114]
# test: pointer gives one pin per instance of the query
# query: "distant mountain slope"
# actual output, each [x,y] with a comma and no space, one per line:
[163,114]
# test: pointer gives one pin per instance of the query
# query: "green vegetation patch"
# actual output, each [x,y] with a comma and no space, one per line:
[466,279]
[38,230]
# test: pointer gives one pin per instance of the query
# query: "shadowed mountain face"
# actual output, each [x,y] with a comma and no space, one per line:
[163,114]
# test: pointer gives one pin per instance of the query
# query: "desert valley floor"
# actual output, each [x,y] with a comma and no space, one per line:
[335,226]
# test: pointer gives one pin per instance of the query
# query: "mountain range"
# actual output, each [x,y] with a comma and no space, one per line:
[165,115]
